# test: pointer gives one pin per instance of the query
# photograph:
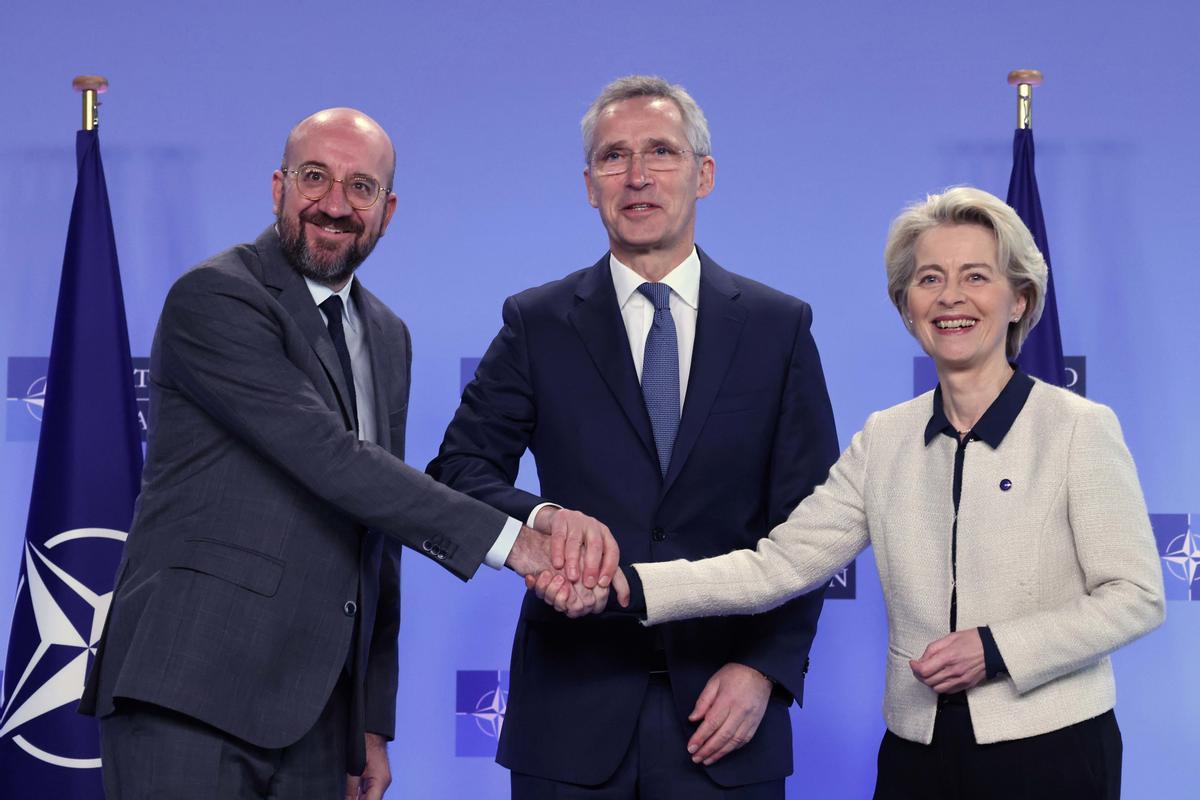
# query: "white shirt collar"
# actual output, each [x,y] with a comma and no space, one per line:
[320,293]
[684,280]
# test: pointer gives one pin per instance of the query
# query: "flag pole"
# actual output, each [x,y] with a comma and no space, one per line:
[91,86]
[1041,355]
[1025,80]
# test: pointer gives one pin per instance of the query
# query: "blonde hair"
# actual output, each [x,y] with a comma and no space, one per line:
[1018,257]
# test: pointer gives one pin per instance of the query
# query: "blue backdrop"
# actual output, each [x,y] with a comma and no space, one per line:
[826,119]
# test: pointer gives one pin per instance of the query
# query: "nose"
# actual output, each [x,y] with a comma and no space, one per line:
[334,203]
[637,175]
[951,294]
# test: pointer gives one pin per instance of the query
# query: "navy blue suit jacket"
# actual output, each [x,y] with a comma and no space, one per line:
[755,437]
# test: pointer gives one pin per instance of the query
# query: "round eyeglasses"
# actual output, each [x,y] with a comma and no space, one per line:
[659,158]
[362,191]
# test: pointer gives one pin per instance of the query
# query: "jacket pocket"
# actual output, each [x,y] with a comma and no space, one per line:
[735,402]
[250,569]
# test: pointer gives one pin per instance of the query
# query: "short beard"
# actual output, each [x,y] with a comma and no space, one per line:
[318,266]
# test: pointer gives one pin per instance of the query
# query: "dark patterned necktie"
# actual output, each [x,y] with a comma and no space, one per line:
[660,373]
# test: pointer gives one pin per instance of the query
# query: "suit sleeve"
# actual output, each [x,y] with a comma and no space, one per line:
[1115,546]
[777,644]
[223,346]
[491,429]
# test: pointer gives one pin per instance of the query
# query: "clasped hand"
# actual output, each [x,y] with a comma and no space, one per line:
[953,663]
[570,560]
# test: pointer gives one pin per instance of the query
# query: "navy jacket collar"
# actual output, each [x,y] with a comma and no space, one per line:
[995,422]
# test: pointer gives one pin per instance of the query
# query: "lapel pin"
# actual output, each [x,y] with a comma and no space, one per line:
[1005,485]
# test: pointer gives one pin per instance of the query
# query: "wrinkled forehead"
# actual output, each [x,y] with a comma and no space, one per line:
[639,119]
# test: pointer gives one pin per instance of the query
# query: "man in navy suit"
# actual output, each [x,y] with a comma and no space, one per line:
[685,407]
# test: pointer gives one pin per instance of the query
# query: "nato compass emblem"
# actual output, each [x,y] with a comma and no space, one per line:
[26,397]
[1179,549]
[56,625]
[481,697]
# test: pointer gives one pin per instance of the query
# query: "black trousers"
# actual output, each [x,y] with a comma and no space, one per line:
[1078,762]
[656,767]
[154,753]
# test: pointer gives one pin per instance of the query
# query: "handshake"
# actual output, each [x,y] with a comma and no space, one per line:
[570,560]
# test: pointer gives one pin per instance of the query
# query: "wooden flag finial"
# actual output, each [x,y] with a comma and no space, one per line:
[92,86]
[1025,80]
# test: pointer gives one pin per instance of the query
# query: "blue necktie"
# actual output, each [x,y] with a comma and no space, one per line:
[660,373]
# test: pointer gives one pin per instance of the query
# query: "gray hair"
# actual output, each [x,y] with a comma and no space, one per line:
[1018,257]
[631,86]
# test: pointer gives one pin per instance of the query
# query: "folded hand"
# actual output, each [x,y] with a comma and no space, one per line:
[953,663]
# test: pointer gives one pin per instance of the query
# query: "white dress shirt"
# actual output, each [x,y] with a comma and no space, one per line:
[364,391]
[638,312]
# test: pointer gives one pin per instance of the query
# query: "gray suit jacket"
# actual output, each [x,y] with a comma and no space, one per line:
[1062,567]
[263,545]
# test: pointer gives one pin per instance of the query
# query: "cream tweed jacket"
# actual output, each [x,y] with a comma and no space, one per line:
[1063,566]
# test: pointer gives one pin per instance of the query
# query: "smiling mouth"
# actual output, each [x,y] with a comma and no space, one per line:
[338,226]
[640,207]
[334,229]
[954,324]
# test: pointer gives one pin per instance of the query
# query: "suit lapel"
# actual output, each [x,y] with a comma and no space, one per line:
[718,327]
[597,319]
[294,296]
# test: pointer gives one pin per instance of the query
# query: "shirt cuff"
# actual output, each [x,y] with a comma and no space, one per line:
[637,597]
[533,514]
[993,662]
[503,545]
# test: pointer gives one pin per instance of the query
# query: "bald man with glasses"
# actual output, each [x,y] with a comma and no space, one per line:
[250,649]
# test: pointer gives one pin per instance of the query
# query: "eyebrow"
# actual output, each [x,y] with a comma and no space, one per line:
[327,168]
[968,265]
[656,141]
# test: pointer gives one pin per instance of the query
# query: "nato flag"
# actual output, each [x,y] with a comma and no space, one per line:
[1042,353]
[89,464]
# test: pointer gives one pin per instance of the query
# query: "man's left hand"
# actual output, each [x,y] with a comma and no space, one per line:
[377,775]
[731,707]
[953,663]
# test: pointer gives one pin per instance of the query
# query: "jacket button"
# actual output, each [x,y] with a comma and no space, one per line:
[426,546]
[658,534]
[350,609]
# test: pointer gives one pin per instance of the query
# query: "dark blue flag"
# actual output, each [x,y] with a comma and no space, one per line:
[89,465]
[1042,353]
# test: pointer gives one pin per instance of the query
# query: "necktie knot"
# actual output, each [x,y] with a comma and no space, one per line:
[333,309]
[657,293]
